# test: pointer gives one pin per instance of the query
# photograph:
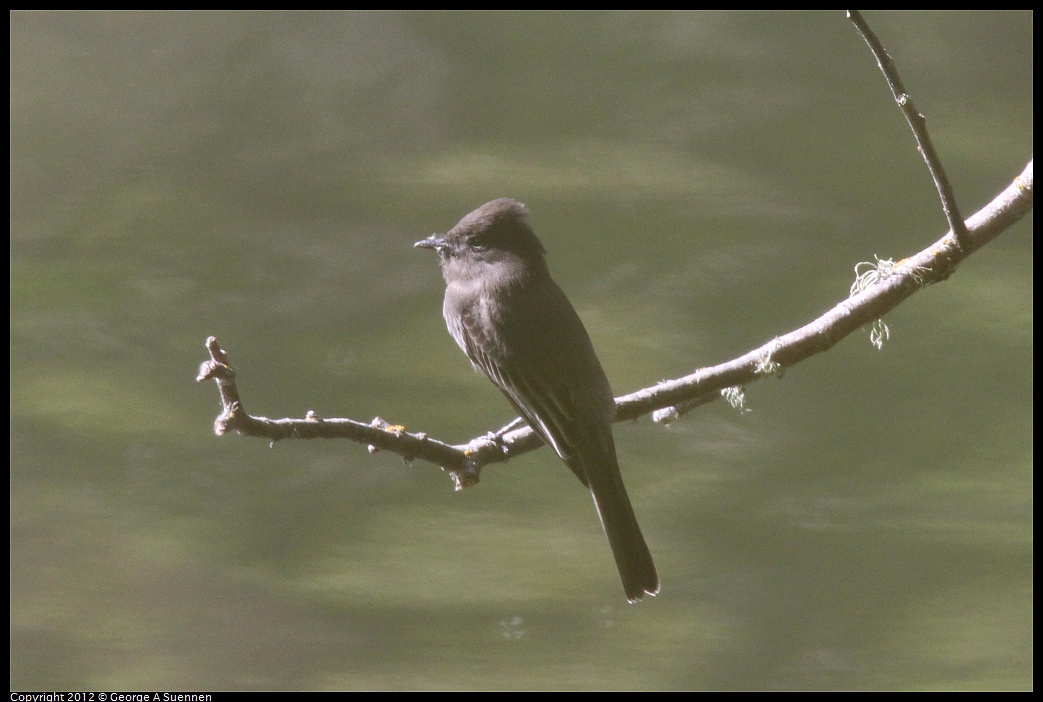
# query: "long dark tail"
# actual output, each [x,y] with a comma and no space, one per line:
[633,559]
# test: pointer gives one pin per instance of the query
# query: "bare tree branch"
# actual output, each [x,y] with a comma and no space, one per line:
[891,285]
[934,264]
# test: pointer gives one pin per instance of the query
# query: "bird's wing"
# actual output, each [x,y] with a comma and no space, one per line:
[549,378]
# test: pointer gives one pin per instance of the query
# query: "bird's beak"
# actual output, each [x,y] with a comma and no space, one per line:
[434,241]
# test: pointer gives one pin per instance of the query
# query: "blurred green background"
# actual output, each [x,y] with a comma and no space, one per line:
[702,182]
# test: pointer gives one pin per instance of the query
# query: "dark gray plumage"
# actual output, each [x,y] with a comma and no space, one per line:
[516,325]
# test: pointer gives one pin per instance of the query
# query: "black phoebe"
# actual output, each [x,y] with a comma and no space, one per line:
[516,325]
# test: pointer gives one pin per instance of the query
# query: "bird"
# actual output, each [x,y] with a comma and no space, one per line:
[516,325]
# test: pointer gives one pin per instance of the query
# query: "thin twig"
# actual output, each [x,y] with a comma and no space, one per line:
[918,123]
